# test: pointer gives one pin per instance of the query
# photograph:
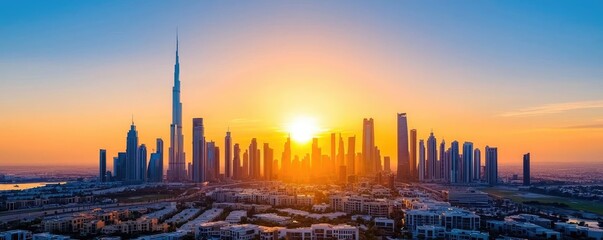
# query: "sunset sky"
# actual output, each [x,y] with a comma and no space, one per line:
[525,76]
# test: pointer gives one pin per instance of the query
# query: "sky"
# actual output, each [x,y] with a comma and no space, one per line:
[524,76]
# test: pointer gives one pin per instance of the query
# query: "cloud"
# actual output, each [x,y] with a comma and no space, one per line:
[554,108]
[586,126]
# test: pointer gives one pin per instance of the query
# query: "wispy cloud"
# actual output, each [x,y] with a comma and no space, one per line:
[586,126]
[554,108]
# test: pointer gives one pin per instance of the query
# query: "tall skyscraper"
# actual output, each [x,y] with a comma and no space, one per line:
[444,166]
[334,162]
[227,155]
[477,162]
[351,159]
[210,159]
[119,166]
[236,166]
[177,163]
[254,160]
[102,165]
[245,170]
[216,165]
[403,154]
[268,161]
[454,162]
[526,169]
[413,155]
[368,146]
[377,158]
[492,165]
[467,162]
[199,152]
[316,158]
[132,165]
[386,164]
[422,169]
[286,158]
[141,170]
[432,153]
[155,169]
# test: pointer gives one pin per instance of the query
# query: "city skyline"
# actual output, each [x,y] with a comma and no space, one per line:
[267,105]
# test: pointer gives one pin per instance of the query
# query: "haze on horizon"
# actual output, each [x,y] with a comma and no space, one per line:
[524,76]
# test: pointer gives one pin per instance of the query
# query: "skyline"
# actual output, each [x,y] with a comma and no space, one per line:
[538,124]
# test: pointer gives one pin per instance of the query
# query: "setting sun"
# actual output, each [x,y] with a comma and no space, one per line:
[302,129]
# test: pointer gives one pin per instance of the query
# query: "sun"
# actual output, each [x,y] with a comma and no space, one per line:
[302,129]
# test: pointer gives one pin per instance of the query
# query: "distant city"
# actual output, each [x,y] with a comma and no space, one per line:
[439,190]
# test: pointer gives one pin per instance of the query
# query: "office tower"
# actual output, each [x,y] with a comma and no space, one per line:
[431,158]
[236,162]
[199,152]
[132,165]
[341,155]
[491,165]
[526,169]
[351,164]
[422,169]
[176,169]
[245,171]
[258,157]
[443,164]
[386,164]
[335,164]
[254,160]
[403,154]
[155,169]
[102,165]
[467,162]
[286,158]
[413,155]
[454,162]
[119,166]
[377,158]
[227,155]
[268,159]
[368,146]
[477,162]
[217,162]
[210,158]
[446,165]
[316,161]
[142,163]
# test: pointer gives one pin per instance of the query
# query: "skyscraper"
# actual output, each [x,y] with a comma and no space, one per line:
[216,165]
[422,169]
[526,169]
[377,159]
[132,166]
[334,162]
[413,154]
[351,159]
[236,166]
[467,162]
[199,149]
[176,170]
[477,162]
[286,158]
[102,165]
[210,159]
[386,164]
[227,155]
[454,162]
[444,164]
[119,166]
[268,161]
[155,169]
[141,170]
[316,158]
[245,170]
[254,160]
[403,154]
[368,146]
[492,165]
[432,153]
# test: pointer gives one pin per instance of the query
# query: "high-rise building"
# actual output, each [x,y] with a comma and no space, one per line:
[386,164]
[102,165]
[216,165]
[236,166]
[177,163]
[351,159]
[526,169]
[341,156]
[268,160]
[454,162]
[227,155]
[467,162]
[119,166]
[316,158]
[377,159]
[444,164]
[413,155]
[477,162]
[155,169]
[334,162]
[286,158]
[432,153]
[245,171]
[141,171]
[403,154]
[491,165]
[254,160]
[199,151]
[422,169]
[132,166]
[211,161]
[368,146]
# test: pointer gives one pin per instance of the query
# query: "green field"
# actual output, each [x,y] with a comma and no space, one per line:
[520,197]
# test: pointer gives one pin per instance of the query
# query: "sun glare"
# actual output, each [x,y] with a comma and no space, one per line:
[302,129]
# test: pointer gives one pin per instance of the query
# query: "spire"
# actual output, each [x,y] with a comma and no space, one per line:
[177,45]
[132,118]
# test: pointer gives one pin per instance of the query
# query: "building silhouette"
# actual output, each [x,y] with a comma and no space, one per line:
[491,165]
[199,156]
[132,164]
[102,165]
[467,162]
[368,146]
[228,155]
[526,169]
[404,168]
[413,155]
[177,164]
